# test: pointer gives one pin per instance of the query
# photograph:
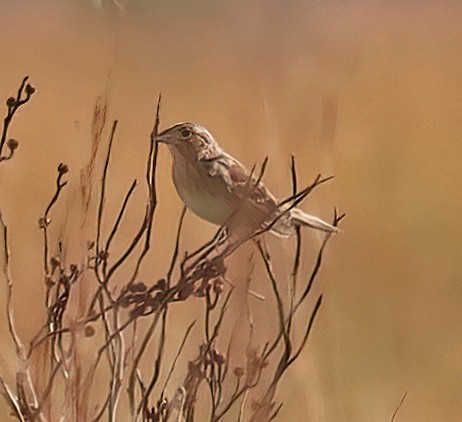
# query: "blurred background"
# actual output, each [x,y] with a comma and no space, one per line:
[367,91]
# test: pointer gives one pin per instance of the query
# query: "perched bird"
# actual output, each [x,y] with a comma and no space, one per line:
[219,189]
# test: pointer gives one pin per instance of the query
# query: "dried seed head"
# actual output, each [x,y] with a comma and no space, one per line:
[137,287]
[44,222]
[139,298]
[103,255]
[89,331]
[11,102]
[29,90]
[155,301]
[12,144]
[55,262]
[63,168]
[185,291]
[64,280]
[161,284]
[217,357]
[138,311]
[49,282]
[125,301]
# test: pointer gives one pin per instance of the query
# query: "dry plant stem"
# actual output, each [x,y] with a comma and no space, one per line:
[400,404]
[55,308]
[175,360]
[19,404]
[295,200]
[299,198]
[25,402]
[298,249]
[280,306]
[20,350]
[266,411]
[212,372]
[115,228]
[203,250]
[115,351]
[12,109]
[294,276]
[24,381]
[168,297]
[200,275]
[249,343]
[215,377]
[314,313]
[111,320]
[337,219]
[49,386]
[146,228]
[138,356]
[240,391]
[143,405]
[45,221]
[298,302]
[11,400]
[91,316]
[288,357]
[102,198]
[146,225]
[176,248]
[100,414]
[267,405]
[7,157]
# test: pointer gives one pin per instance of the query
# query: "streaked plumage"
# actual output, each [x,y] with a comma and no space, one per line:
[219,189]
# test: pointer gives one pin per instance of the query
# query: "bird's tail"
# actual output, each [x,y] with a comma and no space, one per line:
[300,218]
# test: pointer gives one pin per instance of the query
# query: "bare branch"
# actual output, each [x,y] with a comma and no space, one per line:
[13,105]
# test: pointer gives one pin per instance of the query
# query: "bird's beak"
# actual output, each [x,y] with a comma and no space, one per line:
[166,138]
[162,138]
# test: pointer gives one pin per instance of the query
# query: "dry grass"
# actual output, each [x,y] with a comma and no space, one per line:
[62,376]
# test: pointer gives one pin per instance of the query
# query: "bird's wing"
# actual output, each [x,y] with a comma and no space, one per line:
[241,182]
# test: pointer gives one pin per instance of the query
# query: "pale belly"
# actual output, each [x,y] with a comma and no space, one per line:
[206,196]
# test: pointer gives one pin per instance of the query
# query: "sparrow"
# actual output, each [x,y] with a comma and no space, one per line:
[219,189]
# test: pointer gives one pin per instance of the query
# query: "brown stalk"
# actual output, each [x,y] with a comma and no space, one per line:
[13,105]
[400,404]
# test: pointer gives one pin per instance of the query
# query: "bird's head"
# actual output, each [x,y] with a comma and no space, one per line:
[186,138]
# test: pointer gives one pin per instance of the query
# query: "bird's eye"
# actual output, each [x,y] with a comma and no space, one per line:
[185,133]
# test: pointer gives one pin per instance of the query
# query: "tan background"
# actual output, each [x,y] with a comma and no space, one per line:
[268,78]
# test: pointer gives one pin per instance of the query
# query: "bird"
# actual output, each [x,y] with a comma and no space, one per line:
[219,189]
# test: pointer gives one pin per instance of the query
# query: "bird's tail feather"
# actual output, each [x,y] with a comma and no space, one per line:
[300,218]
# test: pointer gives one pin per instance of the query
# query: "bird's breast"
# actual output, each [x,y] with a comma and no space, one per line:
[208,197]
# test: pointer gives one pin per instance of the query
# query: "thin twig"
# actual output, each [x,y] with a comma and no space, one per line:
[400,404]
[118,220]
[13,106]
[102,196]
[20,350]
[175,360]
